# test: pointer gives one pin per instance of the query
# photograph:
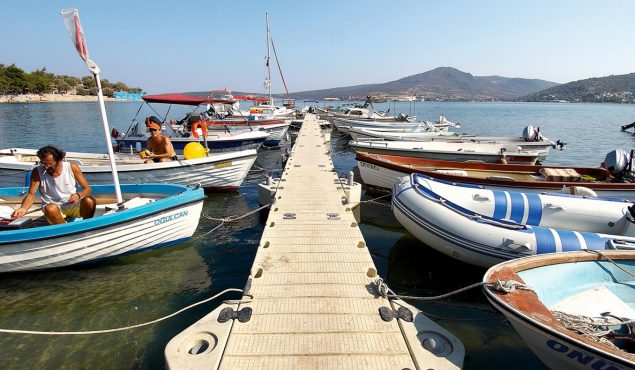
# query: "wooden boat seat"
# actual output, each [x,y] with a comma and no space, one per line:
[560,174]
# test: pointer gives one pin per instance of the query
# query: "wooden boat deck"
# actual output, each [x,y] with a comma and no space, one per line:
[310,290]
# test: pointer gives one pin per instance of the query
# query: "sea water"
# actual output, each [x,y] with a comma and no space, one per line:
[138,288]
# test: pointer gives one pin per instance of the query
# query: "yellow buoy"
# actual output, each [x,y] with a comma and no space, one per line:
[194,150]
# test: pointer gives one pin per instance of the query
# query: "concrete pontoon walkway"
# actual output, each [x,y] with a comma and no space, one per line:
[312,301]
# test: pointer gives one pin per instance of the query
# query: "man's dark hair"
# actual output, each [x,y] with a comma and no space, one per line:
[58,154]
[153,119]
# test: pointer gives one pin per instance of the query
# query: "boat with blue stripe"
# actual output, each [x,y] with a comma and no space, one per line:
[485,227]
[151,216]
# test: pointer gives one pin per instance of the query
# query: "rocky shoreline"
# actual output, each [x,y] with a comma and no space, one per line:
[49,98]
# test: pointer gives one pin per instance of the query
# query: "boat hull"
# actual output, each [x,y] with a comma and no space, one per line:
[161,223]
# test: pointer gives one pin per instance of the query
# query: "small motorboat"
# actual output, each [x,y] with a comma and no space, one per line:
[485,227]
[216,172]
[381,171]
[531,139]
[450,151]
[574,310]
[151,216]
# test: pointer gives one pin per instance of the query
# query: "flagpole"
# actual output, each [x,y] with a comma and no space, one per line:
[74,28]
[111,153]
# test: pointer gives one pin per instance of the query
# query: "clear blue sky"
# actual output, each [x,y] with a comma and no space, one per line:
[170,46]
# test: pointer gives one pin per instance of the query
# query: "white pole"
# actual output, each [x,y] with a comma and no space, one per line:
[111,153]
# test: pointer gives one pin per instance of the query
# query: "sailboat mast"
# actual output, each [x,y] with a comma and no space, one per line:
[268,65]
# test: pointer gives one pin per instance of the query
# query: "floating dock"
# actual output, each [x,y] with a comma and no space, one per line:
[310,301]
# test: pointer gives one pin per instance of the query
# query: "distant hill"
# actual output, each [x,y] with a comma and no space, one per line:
[611,89]
[443,83]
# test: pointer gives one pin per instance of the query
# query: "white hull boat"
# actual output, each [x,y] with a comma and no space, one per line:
[155,216]
[344,125]
[525,142]
[361,133]
[484,227]
[460,152]
[593,290]
[217,172]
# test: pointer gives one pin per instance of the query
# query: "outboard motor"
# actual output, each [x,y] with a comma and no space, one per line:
[617,161]
[620,165]
[531,133]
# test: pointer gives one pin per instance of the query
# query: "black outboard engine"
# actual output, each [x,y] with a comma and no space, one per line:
[620,165]
[402,117]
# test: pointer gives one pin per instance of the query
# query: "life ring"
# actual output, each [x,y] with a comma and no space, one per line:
[196,125]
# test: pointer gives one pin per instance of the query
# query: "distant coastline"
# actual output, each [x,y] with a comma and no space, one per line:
[49,98]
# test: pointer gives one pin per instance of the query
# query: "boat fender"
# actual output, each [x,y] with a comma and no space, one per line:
[579,190]
[196,125]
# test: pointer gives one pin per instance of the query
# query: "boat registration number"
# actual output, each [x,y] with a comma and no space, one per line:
[222,164]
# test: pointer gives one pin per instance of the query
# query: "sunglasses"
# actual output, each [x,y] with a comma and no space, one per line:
[153,130]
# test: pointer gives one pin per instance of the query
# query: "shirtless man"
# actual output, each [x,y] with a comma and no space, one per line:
[57,181]
[160,146]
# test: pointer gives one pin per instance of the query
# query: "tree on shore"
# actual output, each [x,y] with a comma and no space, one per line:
[14,81]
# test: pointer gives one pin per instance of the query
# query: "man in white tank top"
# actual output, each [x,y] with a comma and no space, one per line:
[57,181]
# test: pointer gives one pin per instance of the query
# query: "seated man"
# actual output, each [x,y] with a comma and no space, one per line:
[160,146]
[57,181]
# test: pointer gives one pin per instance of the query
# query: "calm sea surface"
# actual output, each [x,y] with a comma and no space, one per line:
[138,288]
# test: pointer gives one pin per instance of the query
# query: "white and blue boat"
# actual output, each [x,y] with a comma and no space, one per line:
[485,227]
[593,291]
[154,216]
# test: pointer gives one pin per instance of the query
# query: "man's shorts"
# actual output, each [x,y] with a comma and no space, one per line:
[69,211]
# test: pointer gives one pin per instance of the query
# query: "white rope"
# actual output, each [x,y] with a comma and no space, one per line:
[32,332]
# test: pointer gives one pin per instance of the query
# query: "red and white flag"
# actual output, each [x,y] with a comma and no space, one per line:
[74,29]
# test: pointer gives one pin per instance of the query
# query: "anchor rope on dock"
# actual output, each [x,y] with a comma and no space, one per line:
[89,332]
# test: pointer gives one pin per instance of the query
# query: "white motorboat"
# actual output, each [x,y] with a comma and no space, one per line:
[450,151]
[216,172]
[531,139]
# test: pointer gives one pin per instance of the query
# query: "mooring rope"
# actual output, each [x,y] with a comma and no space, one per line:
[500,286]
[89,332]
[225,220]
